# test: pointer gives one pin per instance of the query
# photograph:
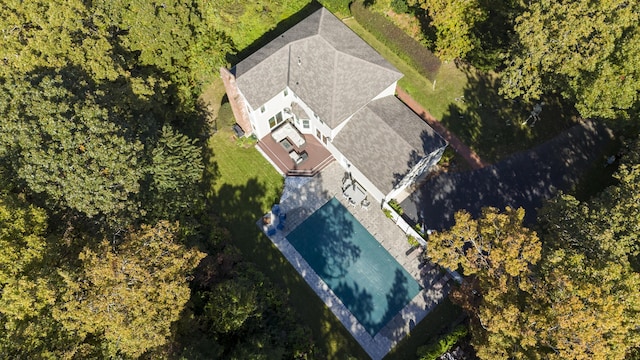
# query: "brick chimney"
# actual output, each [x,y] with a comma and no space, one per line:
[236,101]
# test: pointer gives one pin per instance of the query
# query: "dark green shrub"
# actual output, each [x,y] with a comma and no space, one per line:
[407,48]
[400,6]
[444,344]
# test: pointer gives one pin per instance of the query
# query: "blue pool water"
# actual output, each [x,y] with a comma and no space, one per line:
[366,278]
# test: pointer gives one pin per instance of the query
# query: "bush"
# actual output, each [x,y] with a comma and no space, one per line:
[444,344]
[387,213]
[395,206]
[407,48]
[399,6]
[413,241]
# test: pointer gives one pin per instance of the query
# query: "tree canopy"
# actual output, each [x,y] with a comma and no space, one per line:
[586,50]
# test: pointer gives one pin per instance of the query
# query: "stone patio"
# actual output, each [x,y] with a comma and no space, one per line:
[301,197]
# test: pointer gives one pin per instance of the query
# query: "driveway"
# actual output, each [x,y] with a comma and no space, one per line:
[524,179]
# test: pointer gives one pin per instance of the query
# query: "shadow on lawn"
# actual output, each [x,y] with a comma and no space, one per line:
[493,126]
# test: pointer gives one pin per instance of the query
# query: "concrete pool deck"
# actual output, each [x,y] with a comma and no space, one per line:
[301,198]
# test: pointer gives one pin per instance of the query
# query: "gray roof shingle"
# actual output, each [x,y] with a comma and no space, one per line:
[327,65]
[385,139]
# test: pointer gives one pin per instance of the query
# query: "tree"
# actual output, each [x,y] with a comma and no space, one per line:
[29,286]
[174,175]
[65,146]
[496,253]
[586,309]
[586,50]
[496,245]
[454,22]
[129,293]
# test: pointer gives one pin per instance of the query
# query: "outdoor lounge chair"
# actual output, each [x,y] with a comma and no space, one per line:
[365,204]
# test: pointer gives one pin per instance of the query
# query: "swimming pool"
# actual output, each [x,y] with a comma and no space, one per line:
[371,284]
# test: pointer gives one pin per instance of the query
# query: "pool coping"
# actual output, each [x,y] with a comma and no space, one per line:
[378,346]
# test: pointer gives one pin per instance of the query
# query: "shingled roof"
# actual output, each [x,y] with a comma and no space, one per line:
[325,64]
[385,139]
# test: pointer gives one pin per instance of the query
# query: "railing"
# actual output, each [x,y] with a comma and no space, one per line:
[409,230]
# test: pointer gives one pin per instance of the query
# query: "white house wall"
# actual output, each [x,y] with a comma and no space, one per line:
[390,91]
[260,120]
[418,170]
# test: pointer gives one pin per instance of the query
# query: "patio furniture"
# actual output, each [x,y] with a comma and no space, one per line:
[365,204]
[238,130]
[358,194]
[352,202]
[271,231]
[349,191]
[288,131]
[286,144]
[298,158]
[346,182]
[275,209]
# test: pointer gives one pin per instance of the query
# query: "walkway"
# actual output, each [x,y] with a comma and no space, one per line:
[524,179]
[469,155]
[304,195]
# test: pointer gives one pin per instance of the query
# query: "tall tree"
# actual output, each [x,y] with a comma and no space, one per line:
[454,22]
[130,293]
[586,50]
[496,253]
[29,285]
[65,146]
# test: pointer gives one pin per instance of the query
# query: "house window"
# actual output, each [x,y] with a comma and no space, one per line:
[305,123]
[262,109]
[316,115]
[318,134]
[324,139]
[275,120]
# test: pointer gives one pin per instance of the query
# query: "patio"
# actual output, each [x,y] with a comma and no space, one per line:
[295,157]
[301,197]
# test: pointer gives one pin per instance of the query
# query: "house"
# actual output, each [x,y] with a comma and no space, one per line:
[319,87]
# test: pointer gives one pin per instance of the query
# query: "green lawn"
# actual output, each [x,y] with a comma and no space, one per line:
[468,103]
[244,187]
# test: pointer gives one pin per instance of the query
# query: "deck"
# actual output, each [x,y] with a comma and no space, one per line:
[318,156]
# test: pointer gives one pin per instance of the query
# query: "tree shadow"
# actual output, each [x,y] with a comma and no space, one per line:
[359,302]
[495,127]
[280,28]
[524,179]
[323,236]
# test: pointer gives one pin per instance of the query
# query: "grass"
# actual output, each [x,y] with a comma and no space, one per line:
[468,103]
[244,186]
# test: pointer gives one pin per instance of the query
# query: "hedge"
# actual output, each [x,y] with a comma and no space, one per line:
[407,48]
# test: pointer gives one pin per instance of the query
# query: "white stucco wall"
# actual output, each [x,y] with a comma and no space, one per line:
[260,120]
[418,170]
[390,91]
